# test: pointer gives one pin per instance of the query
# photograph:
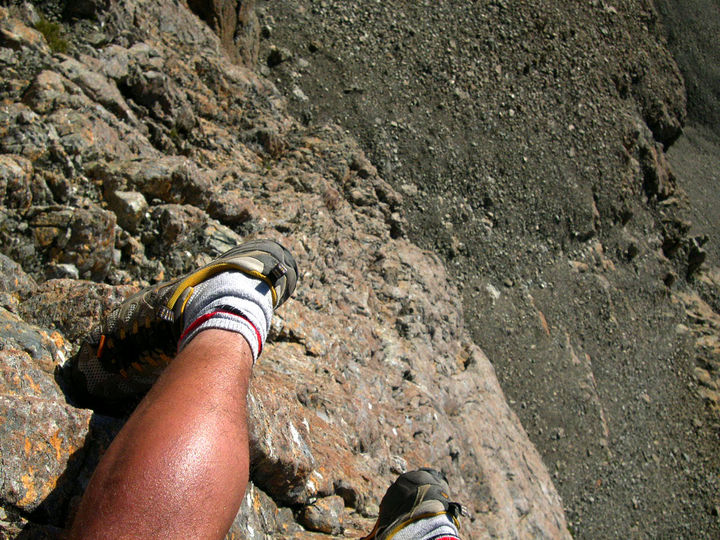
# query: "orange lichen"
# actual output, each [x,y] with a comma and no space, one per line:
[56,443]
[33,384]
[31,494]
[57,339]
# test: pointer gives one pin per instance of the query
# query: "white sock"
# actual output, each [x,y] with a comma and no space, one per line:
[230,301]
[439,527]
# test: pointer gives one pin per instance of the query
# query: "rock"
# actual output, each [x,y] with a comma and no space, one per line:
[44,91]
[15,182]
[15,284]
[701,318]
[177,223]
[147,86]
[231,207]
[273,143]
[632,251]
[62,271]
[116,62]
[73,307]
[150,89]
[79,236]
[40,434]
[361,164]
[324,515]
[75,130]
[235,23]
[177,233]
[25,135]
[696,255]
[659,181]
[27,13]
[172,179]
[86,8]
[361,197]
[45,348]
[259,517]
[675,232]
[15,34]
[129,207]
[40,437]
[277,56]
[280,453]
[299,94]
[98,88]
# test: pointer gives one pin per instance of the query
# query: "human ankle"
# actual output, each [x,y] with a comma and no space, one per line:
[230,301]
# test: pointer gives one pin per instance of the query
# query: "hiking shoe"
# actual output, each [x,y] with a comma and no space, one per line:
[414,496]
[124,356]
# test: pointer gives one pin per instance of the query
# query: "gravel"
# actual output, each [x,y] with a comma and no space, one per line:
[515,131]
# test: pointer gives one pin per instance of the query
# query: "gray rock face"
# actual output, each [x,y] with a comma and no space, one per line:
[129,207]
[325,515]
[83,237]
[39,432]
[15,182]
[368,371]
[15,284]
[172,179]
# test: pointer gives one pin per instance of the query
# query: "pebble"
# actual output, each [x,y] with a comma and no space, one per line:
[299,94]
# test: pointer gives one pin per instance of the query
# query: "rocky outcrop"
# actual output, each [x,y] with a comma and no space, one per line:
[704,329]
[235,23]
[145,151]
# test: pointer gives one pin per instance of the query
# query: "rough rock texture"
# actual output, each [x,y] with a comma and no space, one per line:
[235,22]
[369,370]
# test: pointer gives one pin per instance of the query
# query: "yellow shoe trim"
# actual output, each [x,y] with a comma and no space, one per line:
[187,299]
[182,308]
[210,271]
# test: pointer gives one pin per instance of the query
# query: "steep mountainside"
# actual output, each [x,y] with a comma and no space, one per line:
[521,144]
[529,139]
[132,149]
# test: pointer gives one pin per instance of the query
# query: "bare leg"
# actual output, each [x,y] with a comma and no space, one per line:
[179,466]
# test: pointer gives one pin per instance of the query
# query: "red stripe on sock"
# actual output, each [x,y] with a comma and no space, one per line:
[203,318]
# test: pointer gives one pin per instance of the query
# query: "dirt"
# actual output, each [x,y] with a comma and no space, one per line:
[695,159]
[514,131]
[691,27]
